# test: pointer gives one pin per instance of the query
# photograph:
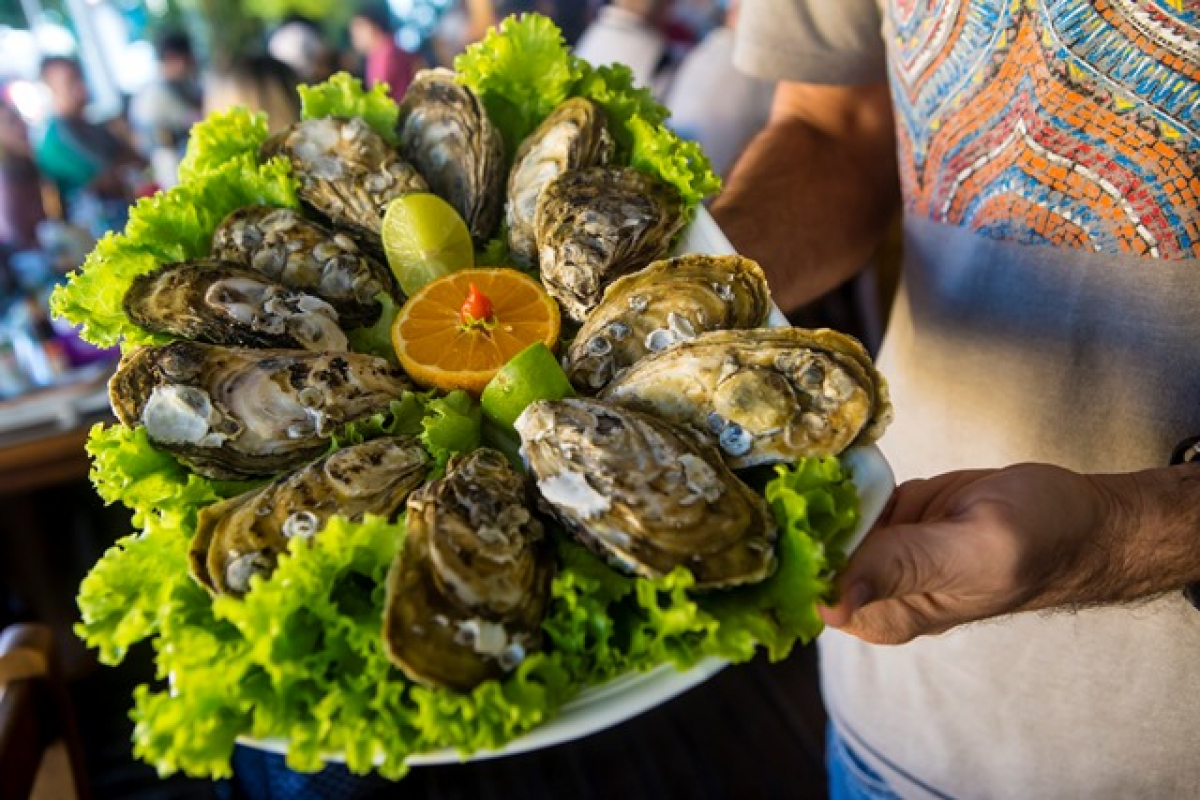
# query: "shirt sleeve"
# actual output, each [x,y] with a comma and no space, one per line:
[834,42]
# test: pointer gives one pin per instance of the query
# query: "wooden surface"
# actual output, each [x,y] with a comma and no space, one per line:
[48,460]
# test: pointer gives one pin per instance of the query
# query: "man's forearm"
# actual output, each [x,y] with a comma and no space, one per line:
[813,193]
[1152,541]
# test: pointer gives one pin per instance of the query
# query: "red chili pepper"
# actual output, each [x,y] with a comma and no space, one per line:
[476,308]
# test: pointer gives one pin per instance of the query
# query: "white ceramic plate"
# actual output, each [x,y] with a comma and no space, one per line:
[622,698]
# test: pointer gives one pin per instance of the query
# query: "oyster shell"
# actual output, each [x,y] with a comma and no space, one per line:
[667,302]
[645,494]
[766,394]
[467,593]
[299,253]
[230,413]
[575,135]
[595,225]
[347,173]
[446,133]
[244,535]
[213,301]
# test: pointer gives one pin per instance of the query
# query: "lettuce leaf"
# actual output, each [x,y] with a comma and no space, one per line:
[377,339]
[222,137]
[523,69]
[344,96]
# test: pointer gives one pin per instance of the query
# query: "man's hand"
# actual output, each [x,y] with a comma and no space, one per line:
[814,192]
[967,546]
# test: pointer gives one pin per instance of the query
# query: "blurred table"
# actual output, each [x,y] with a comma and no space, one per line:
[49,514]
[42,432]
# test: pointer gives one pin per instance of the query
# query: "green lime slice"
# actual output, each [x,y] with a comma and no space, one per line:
[532,374]
[424,238]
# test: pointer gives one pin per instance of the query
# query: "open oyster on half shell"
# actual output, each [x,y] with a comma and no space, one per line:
[221,303]
[244,535]
[766,394]
[347,173]
[446,133]
[232,413]
[297,252]
[666,302]
[645,494]
[467,593]
[595,225]
[574,136]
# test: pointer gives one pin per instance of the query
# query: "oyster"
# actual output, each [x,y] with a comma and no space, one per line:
[467,593]
[244,535]
[595,225]
[446,133]
[347,173]
[645,494]
[299,253]
[767,394]
[231,413]
[574,136]
[667,302]
[217,302]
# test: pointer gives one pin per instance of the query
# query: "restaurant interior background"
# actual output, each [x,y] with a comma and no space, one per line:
[53,527]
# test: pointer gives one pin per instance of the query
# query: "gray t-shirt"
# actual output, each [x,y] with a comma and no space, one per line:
[1049,154]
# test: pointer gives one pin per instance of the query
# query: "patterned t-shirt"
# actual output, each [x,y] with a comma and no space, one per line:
[1049,152]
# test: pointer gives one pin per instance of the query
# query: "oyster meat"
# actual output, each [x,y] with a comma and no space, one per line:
[767,394]
[347,173]
[574,136]
[243,536]
[231,413]
[446,133]
[217,302]
[299,253]
[666,302]
[467,593]
[594,225]
[646,494]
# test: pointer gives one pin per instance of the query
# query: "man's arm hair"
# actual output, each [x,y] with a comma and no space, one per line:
[1151,542]
[813,193]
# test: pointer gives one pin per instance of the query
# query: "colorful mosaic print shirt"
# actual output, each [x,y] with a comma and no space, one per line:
[1050,159]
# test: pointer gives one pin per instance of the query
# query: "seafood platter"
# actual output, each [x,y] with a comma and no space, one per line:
[337,558]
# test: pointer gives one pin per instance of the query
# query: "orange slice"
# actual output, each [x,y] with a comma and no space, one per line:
[442,345]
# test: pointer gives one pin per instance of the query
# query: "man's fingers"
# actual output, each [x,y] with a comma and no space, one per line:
[897,561]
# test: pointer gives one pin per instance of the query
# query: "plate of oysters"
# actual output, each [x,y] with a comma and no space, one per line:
[689,387]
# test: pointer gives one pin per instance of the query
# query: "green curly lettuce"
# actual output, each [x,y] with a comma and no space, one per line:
[300,657]
[223,136]
[344,96]
[523,69]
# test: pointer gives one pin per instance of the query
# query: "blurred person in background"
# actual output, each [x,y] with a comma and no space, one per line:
[94,170]
[373,37]
[21,206]
[258,82]
[627,32]
[714,103]
[163,112]
[301,44]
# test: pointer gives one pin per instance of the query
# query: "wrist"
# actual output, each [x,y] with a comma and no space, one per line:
[1149,534]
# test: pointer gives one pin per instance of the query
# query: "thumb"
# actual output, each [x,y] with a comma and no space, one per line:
[893,562]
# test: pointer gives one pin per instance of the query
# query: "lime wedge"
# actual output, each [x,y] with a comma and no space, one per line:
[532,374]
[424,238]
